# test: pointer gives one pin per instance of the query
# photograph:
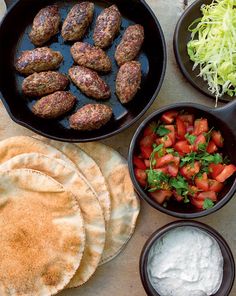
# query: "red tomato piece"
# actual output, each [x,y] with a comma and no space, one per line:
[189,170]
[207,194]
[182,146]
[166,141]
[173,169]
[163,170]
[215,169]
[139,163]
[193,191]
[227,172]
[148,131]
[202,182]
[171,128]
[201,139]
[197,203]
[178,197]
[181,129]
[217,138]
[164,160]
[169,116]
[200,126]
[211,147]
[141,176]
[146,151]
[147,163]
[188,118]
[176,160]
[190,129]
[161,195]
[147,141]
[215,185]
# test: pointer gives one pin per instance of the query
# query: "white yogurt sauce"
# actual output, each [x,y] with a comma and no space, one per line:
[185,262]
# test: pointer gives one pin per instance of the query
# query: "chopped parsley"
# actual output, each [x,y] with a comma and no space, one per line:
[157,180]
[190,138]
[208,203]
[162,131]
[181,186]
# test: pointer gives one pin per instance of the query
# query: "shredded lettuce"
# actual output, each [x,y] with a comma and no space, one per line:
[213,46]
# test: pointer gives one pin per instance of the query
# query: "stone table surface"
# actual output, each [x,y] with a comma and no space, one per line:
[120,277]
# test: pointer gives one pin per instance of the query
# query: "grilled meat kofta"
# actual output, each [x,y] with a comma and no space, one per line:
[107,26]
[89,82]
[54,105]
[77,21]
[128,81]
[45,25]
[38,60]
[130,44]
[44,83]
[91,57]
[90,117]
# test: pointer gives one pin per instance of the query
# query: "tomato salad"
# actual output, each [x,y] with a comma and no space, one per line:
[180,158]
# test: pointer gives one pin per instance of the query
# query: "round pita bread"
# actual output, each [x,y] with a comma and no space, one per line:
[91,171]
[89,205]
[42,234]
[125,205]
[3,9]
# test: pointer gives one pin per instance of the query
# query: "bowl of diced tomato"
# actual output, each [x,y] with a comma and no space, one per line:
[182,160]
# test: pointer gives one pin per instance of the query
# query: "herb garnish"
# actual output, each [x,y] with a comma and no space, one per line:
[157,180]
[162,131]
[181,186]
[190,138]
[208,203]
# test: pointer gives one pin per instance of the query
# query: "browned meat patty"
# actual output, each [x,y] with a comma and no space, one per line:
[44,83]
[45,25]
[89,82]
[77,21]
[38,60]
[54,105]
[91,57]
[107,26]
[128,81]
[130,44]
[90,117]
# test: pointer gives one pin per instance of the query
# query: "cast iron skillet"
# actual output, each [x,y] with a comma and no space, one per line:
[222,119]
[229,265]
[14,38]
[181,38]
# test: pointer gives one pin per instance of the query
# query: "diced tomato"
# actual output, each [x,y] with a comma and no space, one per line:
[147,163]
[227,172]
[217,138]
[215,185]
[161,195]
[190,129]
[176,160]
[163,170]
[189,170]
[201,139]
[147,141]
[169,116]
[215,169]
[173,169]
[211,147]
[181,129]
[182,146]
[148,131]
[166,141]
[146,151]
[188,118]
[197,203]
[207,194]
[193,191]
[171,128]
[178,197]
[200,126]
[141,176]
[139,163]
[202,182]
[164,160]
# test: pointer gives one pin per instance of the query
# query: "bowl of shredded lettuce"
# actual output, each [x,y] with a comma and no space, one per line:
[205,47]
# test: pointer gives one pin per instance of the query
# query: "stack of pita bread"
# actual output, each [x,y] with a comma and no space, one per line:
[65,209]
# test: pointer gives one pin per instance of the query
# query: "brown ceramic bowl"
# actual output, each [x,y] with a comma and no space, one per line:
[222,119]
[229,265]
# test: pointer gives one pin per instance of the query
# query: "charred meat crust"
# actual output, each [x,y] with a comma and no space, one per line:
[107,26]
[91,57]
[77,21]
[128,81]
[45,25]
[91,117]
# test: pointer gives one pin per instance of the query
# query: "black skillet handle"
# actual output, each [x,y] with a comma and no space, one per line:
[227,114]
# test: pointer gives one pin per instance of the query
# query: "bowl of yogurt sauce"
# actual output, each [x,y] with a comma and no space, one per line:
[187,259]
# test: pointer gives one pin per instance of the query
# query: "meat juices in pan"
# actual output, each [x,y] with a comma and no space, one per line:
[128,81]
[54,105]
[107,27]
[77,21]
[91,57]
[90,117]
[130,44]
[45,25]
[38,60]
[44,83]
[89,82]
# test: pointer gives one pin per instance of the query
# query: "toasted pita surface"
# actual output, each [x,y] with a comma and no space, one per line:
[89,168]
[42,234]
[125,205]
[91,210]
